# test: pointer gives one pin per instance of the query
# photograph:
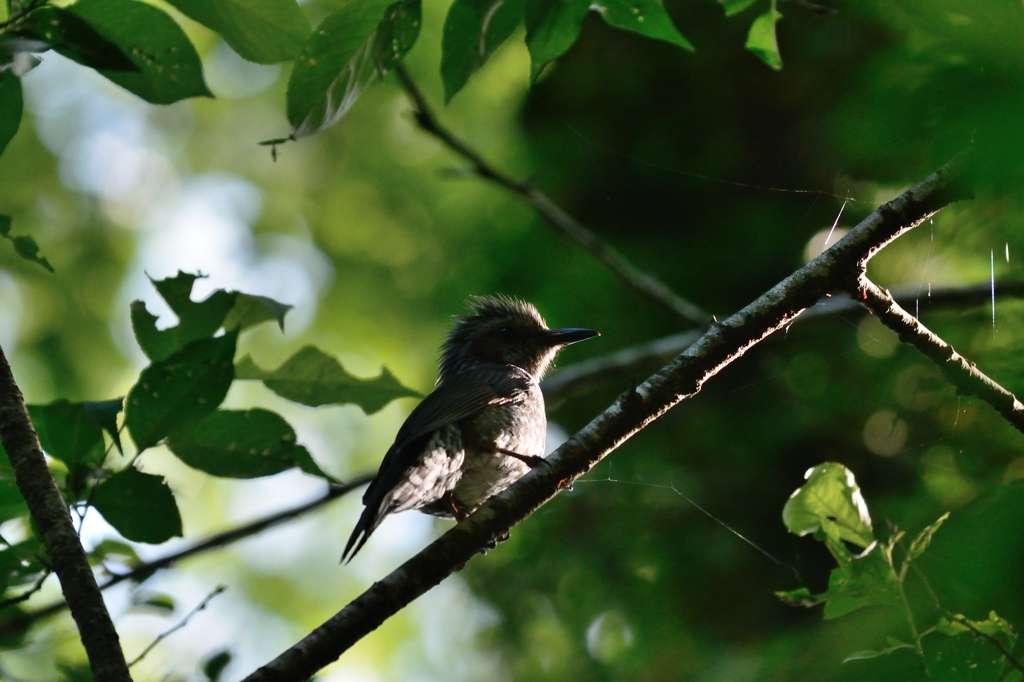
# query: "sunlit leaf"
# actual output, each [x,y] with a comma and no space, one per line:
[646,17]
[262,31]
[924,538]
[349,50]
[11,106]
[761,39]
[179,390]
[734,7]
[864,580]
[71,36]
[168,65]
[830,494]
[473,30]
[242,444]
[139,506]
[313,378]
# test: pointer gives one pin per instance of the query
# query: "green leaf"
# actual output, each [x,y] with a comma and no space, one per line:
[924,538]
[104,413]
[864,655]
[761,39]
[237,444]
[11,106]
[168,65]
[68,433]
[196,320]
[262,31]
[552,26]
[313,378]
[5,220]
[963,650]
[116,551]
[139,506]
[734,7]
[27,248]
[180,390]
[154,601]
[864,580]
[473,30]
[249,311]
[347,51]
[646,17]
[72,37]
[213,667]
[12,504]
[830,494]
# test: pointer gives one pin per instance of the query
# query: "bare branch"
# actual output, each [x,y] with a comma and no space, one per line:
[584,376]
[224,539]
[559,219]
[57,533]
[967,378]
[179,625]
[723,343]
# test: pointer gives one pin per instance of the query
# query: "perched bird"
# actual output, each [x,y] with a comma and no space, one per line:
[481,428]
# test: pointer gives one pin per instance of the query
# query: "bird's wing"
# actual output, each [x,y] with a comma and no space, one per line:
[463,396]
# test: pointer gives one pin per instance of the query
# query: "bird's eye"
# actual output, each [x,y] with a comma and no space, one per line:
[505,332]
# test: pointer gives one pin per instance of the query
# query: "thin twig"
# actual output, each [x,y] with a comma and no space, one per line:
[24,596]
[57,533]
[558,218]
[993,640]
[683,378]
[962,373]
[586,375]
[182,623]
[143,571]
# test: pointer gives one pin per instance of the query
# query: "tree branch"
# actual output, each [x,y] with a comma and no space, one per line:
[584,376]
[143,571]
[57,533]
[967,378]
[682,378]
[559,219]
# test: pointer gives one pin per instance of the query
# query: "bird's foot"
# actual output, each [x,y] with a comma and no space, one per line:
[532,461]
[458,514]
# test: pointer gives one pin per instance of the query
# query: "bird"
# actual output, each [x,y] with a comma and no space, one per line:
[483,426]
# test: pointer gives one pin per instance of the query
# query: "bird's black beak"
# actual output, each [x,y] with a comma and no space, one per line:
[564,337]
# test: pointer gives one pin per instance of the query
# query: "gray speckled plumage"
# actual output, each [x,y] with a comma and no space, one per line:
[481,428]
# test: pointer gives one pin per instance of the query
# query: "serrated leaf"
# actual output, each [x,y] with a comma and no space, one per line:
[68,433]
[349,50]
[180,390]
[552,26]
[832,494]
[761,39]
[734,7]
[646,17]
[74,38]
[196,319]
[249,311]
[262,31]
[139,506]
[473,30]
[242,444]
[168,66]
[11,106]
[104,413]
[924,538]
[213,667]
[313,378]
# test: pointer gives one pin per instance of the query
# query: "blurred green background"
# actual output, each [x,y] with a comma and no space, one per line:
[707,170]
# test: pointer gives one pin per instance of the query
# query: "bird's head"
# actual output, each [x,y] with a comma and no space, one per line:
[504,330]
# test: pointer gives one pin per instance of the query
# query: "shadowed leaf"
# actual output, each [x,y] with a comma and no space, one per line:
[262,31]
[75,39]
[139,506]
[11,106]
[473,30]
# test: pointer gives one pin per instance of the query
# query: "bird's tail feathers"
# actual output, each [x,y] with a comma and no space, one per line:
[368,522]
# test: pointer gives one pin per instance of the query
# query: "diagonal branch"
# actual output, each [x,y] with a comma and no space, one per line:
[584,376]
[57,533]
[559,219]
[143,571]
[682,378]
[963,374]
